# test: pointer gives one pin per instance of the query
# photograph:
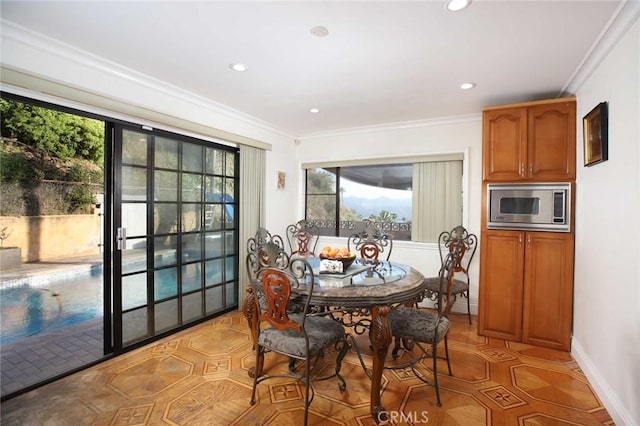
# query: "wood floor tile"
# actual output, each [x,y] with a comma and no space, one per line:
[200,377]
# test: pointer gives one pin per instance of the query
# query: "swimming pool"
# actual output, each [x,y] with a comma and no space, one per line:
[35,306]
[39,304]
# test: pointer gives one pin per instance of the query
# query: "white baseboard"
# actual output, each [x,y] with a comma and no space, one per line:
[459,307]
[615,408]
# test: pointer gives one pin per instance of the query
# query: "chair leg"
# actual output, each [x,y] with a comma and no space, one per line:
[446,354]
[468,308]
[307,385]
[396,348]
[257,372]
[434,356]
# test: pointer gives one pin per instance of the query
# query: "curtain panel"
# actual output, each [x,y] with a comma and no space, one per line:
[436,184]
[252,194]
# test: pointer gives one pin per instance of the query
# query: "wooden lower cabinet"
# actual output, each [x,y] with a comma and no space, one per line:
[526,287]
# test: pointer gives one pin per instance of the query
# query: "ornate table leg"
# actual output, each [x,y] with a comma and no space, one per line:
[380,336]
[250,311]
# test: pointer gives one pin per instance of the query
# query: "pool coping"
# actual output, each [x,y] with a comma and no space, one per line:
[41,273]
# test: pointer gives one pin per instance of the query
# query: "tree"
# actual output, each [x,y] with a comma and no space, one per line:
[321,198]
[384,216]
[60,134]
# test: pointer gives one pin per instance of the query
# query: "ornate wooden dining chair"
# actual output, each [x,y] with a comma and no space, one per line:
[302,336]
[446,241]
[416,326]
[257,259]
[371,244]
[267,250]
[302,238]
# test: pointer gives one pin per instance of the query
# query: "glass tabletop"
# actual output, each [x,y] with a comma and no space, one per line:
[358,274]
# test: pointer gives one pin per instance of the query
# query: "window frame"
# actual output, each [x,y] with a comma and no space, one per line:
[460,155]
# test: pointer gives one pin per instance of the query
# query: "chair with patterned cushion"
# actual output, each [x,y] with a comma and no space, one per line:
[446,241]
[302,238]
[412,327]
[371,245]
[304,336]
[263,250]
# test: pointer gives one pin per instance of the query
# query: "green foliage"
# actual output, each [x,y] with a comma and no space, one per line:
[348,214]
[61,134]
[14,167]
[79,197]
[320,181]
[321,199]
[384,216]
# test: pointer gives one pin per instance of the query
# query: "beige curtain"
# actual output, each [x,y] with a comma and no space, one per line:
[436,184]
[251,217]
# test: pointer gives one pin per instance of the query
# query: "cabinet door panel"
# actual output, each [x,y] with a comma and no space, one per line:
[552,142]
[501,272]
[548,290]
[504,143]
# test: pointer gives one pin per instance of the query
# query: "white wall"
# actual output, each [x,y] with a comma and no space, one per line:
[126,90]
[281,204]
[607,274]
[463,134]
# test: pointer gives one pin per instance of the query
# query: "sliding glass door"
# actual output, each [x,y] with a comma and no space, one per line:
[175,227]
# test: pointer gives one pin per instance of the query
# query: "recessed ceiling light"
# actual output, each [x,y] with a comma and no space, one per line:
[467,86]
[314,110]
[239,67]
[456,5]
[319,31]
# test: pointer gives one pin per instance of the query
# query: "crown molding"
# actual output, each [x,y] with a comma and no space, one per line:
[68,53]
[441,121]
[622,20]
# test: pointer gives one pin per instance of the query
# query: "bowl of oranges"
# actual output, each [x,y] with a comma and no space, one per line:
[341,254]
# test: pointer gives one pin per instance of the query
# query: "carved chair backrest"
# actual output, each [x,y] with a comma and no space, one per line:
[371,244]
[263,249]
[460,242]
[446,275]
[277,283]
[302,238]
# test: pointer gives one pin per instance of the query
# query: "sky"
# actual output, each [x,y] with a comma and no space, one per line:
[353,189]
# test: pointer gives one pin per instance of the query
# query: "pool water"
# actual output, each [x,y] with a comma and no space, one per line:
[29,309]
[41,304]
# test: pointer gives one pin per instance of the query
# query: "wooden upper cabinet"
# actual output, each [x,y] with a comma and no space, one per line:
[504,147]
[530,141]
[552,141]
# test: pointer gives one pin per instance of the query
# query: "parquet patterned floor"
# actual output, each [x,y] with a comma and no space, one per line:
[199,377]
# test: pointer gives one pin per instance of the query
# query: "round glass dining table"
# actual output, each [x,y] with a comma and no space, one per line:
[366,290]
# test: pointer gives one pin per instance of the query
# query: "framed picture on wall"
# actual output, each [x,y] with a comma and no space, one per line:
[596,131]
[282,180]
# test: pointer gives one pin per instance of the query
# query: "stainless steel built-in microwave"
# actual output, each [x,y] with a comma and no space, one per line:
[536,206]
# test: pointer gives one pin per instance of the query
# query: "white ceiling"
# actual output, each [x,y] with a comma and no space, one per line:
[383,62]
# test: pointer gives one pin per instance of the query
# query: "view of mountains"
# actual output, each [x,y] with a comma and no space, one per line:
[366,207]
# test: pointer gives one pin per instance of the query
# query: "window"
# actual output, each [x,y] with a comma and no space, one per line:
[408,201]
